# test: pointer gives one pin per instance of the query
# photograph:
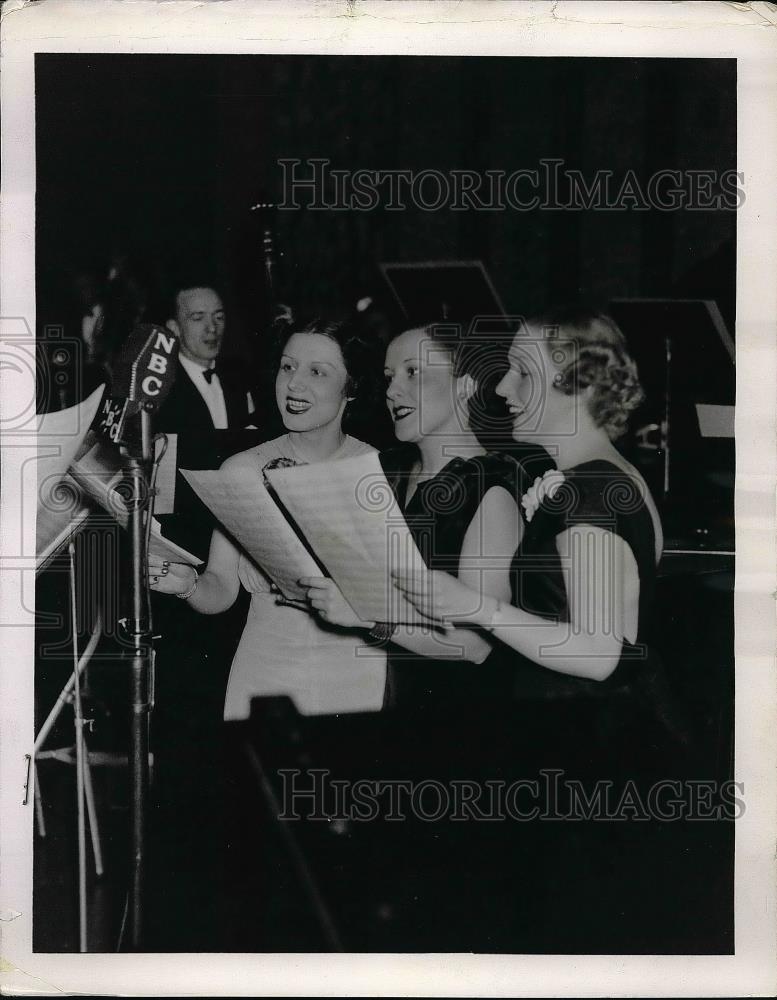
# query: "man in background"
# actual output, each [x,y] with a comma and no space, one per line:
[208,395]
[211,409]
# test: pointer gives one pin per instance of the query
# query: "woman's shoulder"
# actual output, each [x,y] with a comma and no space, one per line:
[497,468]
[354,447]
[609,496]
[496,461]
[604,487]
[259,455]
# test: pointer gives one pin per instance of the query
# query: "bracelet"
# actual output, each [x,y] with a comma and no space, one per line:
[382,632]
[190,591]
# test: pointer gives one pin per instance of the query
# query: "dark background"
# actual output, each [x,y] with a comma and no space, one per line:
[163,155]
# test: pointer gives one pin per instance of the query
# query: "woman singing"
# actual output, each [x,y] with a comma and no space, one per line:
[324,369]
[443,689]
[590,702]
[583,574]
[459,503]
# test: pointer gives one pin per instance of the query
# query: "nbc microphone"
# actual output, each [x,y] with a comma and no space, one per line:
[143,376]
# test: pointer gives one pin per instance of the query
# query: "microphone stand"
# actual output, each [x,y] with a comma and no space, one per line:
[138,628]
[144,372]
[665,423]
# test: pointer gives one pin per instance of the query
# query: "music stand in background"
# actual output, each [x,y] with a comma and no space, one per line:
[683,434]
[60,516]
[442,291]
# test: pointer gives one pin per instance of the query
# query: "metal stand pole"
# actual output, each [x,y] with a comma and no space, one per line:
[66,694]
[38,803]
[139,628]
[66,697]
[80,779]
[665,423]
[91,812]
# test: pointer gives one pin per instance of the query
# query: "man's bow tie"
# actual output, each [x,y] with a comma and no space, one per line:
[208,374]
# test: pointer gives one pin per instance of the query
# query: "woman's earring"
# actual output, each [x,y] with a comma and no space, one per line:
[466,388]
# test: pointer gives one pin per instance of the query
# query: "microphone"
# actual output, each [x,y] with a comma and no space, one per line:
[143,376]
[144,373]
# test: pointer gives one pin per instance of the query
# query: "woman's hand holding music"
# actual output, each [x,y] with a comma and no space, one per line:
[326,598]
[170,577]
[443,598]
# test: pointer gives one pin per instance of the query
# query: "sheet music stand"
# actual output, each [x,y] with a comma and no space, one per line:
[61,515]
[685,357]
[446,291]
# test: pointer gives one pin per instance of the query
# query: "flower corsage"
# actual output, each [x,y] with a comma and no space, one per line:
[545,486]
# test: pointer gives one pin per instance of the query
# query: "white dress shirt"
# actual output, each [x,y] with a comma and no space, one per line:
[212,393]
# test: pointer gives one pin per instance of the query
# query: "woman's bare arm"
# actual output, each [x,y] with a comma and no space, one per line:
[484,567]
[602,583]
[218,586]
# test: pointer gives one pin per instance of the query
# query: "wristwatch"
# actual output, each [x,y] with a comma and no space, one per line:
[381,632]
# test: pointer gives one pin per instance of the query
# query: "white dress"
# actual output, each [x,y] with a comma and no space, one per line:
[286,651]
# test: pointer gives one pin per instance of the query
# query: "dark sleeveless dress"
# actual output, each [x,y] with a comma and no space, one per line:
[438,515]
[511,883]
[599,884]
[589,718]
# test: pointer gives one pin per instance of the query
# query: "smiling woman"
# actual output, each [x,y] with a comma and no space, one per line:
[425,387]
[324,369]
[310,387]
[594,533]
[459,503]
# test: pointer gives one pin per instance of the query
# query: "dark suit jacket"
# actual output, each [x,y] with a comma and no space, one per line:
[185,413]
[201,446]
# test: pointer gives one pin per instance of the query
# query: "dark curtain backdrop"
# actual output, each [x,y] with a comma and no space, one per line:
[164,155]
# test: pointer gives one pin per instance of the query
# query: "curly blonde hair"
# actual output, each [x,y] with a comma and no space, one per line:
[600,359]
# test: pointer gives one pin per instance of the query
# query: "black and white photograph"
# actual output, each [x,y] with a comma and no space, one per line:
[389,466]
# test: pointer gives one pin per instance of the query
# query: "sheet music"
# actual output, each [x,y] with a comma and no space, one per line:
[349,514]
[97,474]
[715,421]
[158,545]
[98,469]
[54,534]
[60,436]
[241,502]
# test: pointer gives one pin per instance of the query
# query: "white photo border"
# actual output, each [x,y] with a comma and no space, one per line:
[747,32]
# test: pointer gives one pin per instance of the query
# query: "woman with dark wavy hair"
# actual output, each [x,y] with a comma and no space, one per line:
[460,505]
[324,371]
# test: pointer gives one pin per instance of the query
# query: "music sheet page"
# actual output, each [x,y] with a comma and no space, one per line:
[239,500]
[350,516]
[60,435]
